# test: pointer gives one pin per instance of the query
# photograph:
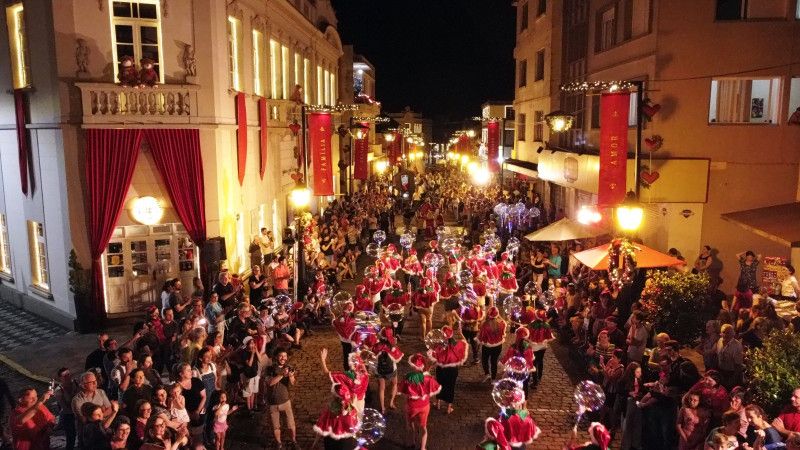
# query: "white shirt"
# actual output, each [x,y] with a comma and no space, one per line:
[223,413]
[789,286]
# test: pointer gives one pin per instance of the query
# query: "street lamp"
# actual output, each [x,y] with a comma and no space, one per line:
[481,176]
[300,198]
[630,213]
[559,121]
[388,136]
[470,133]
[358,130]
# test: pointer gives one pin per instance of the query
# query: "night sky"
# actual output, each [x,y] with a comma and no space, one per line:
[444,58]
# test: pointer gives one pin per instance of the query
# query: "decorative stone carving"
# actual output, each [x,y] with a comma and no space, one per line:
[82,59]
[234,10]
[189,63]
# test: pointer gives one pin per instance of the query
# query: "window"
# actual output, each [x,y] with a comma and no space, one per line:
[298,68]
[5,247]
[797,13]
[235,52]
[320,87]
[285,72]
[334,93]
[751,9]
[744,100]
[539,65]
[542,8]
[38,249]
[520,127]
[637,18]
[794,100]
[523,17]
[137,33]
[606,33]
[523,73]
[274,69]
[258,63]
[538,126]
[595,111]
[326,80]
[18,43]
[306,80]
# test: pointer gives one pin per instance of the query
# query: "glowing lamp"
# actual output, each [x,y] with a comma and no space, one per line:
[470,134]
[481,176]
[412,156]
[388,137]
[146,210]
[464,159]
[300,197]
[410,140]
[559,121]
[588,215]
[381,166]
[472,167]
[630,213]
[359,131]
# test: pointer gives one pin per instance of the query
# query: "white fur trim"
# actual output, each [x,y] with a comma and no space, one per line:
[329,434]
[487,344]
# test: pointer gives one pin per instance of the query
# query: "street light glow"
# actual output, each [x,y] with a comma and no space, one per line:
[630,213]
[470,134]
[588,215]
[300,196]
[481,176]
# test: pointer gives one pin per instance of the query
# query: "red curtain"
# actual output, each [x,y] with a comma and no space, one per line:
[22,138]
[241,134]
[263,121]
[110,160]
[177,155]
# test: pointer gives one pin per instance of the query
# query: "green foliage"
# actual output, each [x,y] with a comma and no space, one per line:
[78,277]
[772,370]
[677,304]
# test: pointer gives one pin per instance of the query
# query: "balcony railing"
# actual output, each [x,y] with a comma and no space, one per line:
[111,103]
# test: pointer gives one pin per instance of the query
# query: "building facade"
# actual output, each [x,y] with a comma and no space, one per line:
[721,84]
[233,72]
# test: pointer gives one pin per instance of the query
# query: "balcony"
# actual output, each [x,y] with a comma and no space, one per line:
[110,103]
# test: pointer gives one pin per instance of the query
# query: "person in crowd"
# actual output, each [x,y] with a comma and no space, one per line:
[491,336]
[790,289]
[89,393]
[31,421]
[692,423]
[760,432]
[280,277]
[730,357]
[157,436]
[748,271]
[64,393]
[194,393]
[120,433]
[448,358]
[96,433]
[418,387]
[280,377]
[788,421]
[251,359]
[727,434]
[137,390]
[220,410]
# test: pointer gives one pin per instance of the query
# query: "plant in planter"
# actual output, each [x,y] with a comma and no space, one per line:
[772,370]
[678,304]
[80,286]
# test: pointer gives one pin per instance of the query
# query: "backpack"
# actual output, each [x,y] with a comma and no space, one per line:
[385,365]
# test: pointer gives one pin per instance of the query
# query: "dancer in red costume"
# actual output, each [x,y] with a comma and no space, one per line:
[337,422]
[491,335]
[391,259]
[363,302]
[356,378]
[345,329]
[599,437]
[541,335]
[424,299]
[418,387]
[508,275]
[393,308]
[413,269]
[495,437]
[388,356]
[520,429]
[448,358]
[522,348]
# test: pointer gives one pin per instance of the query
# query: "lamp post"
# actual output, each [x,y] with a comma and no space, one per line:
[629,213]
[300,197]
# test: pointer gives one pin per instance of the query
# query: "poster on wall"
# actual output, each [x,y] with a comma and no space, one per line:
[773,270]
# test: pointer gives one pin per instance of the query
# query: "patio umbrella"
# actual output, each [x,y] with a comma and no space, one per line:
[565,230]
[597,258]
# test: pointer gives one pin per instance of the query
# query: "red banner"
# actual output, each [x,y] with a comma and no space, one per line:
[394,148]
[493,144]
[361,154]
[613,148]
[263,121]
[241,134]
[319,138]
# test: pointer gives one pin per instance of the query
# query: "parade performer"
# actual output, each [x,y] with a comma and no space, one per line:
[337,422]
[448,358]
[491,335]
[599,437]
[393,308]
[540,336]
[413,269]
[424,299]
[363,301]
[520,429]
[470,323]
[376,285]
[388,356]
[508,275]
[449,292]
[418,387]
[521,348]
[356,379]
[345,329]
[479,280]
[495,438]
[391,259]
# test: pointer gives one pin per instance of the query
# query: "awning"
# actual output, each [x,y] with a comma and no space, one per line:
[526,168]
[597,258]
[777,223]
[565,229]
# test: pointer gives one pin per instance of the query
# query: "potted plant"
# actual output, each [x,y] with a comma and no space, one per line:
[80,286]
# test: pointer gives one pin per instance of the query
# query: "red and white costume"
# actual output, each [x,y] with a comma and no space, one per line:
[453,354]
[495,436]
[521,347]
[340,418]
[345,325]
[450,287]
[508,275]
[391,259]
[492,336]
[540,332]
[411,265]
[375,286]
[356,380]
[519,426]
[428,294]
[387,344]
[418,387]
[363,302]
[600,438]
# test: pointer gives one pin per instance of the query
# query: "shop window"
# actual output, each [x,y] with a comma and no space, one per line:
[523,73]
[606,29]
[274,69]
[794,100]
[40,276]
[258,63]
[542,8]
[136,33]
[523,17]
[5,247]
[751,9]
[18,44]
[521,127]
[538,126]
[539,65]
[744,100]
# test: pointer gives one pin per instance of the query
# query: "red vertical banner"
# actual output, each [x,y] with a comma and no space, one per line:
[241,134]
[319,138]
[361,154]
[263,122]
[493,144]
[613,147]
[394,148]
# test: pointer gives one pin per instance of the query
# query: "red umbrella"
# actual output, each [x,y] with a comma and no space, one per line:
[597,258]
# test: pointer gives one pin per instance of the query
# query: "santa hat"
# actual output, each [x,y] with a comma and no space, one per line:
[391,248]
[343,392]
[370,340]
[495,431]
[599,435]
[522,333]
[417,362]
[388,335]
[541,314]
[504,256]
[360,289]
[297,306]
[476,248]
[447,331]
[412,252]
[493,312]
[433,244]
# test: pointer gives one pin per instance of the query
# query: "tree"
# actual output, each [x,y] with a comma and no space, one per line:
[677,303]
[772,370]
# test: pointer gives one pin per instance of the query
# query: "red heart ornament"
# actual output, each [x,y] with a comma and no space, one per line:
[295,127]
[649,177]
[651,110]
[652,144]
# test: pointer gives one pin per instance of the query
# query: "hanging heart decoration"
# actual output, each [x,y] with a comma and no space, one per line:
[650,109]
[654,142]
[649,177]
[294,127]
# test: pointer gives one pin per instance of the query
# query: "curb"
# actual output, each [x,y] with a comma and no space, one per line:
[22,370]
